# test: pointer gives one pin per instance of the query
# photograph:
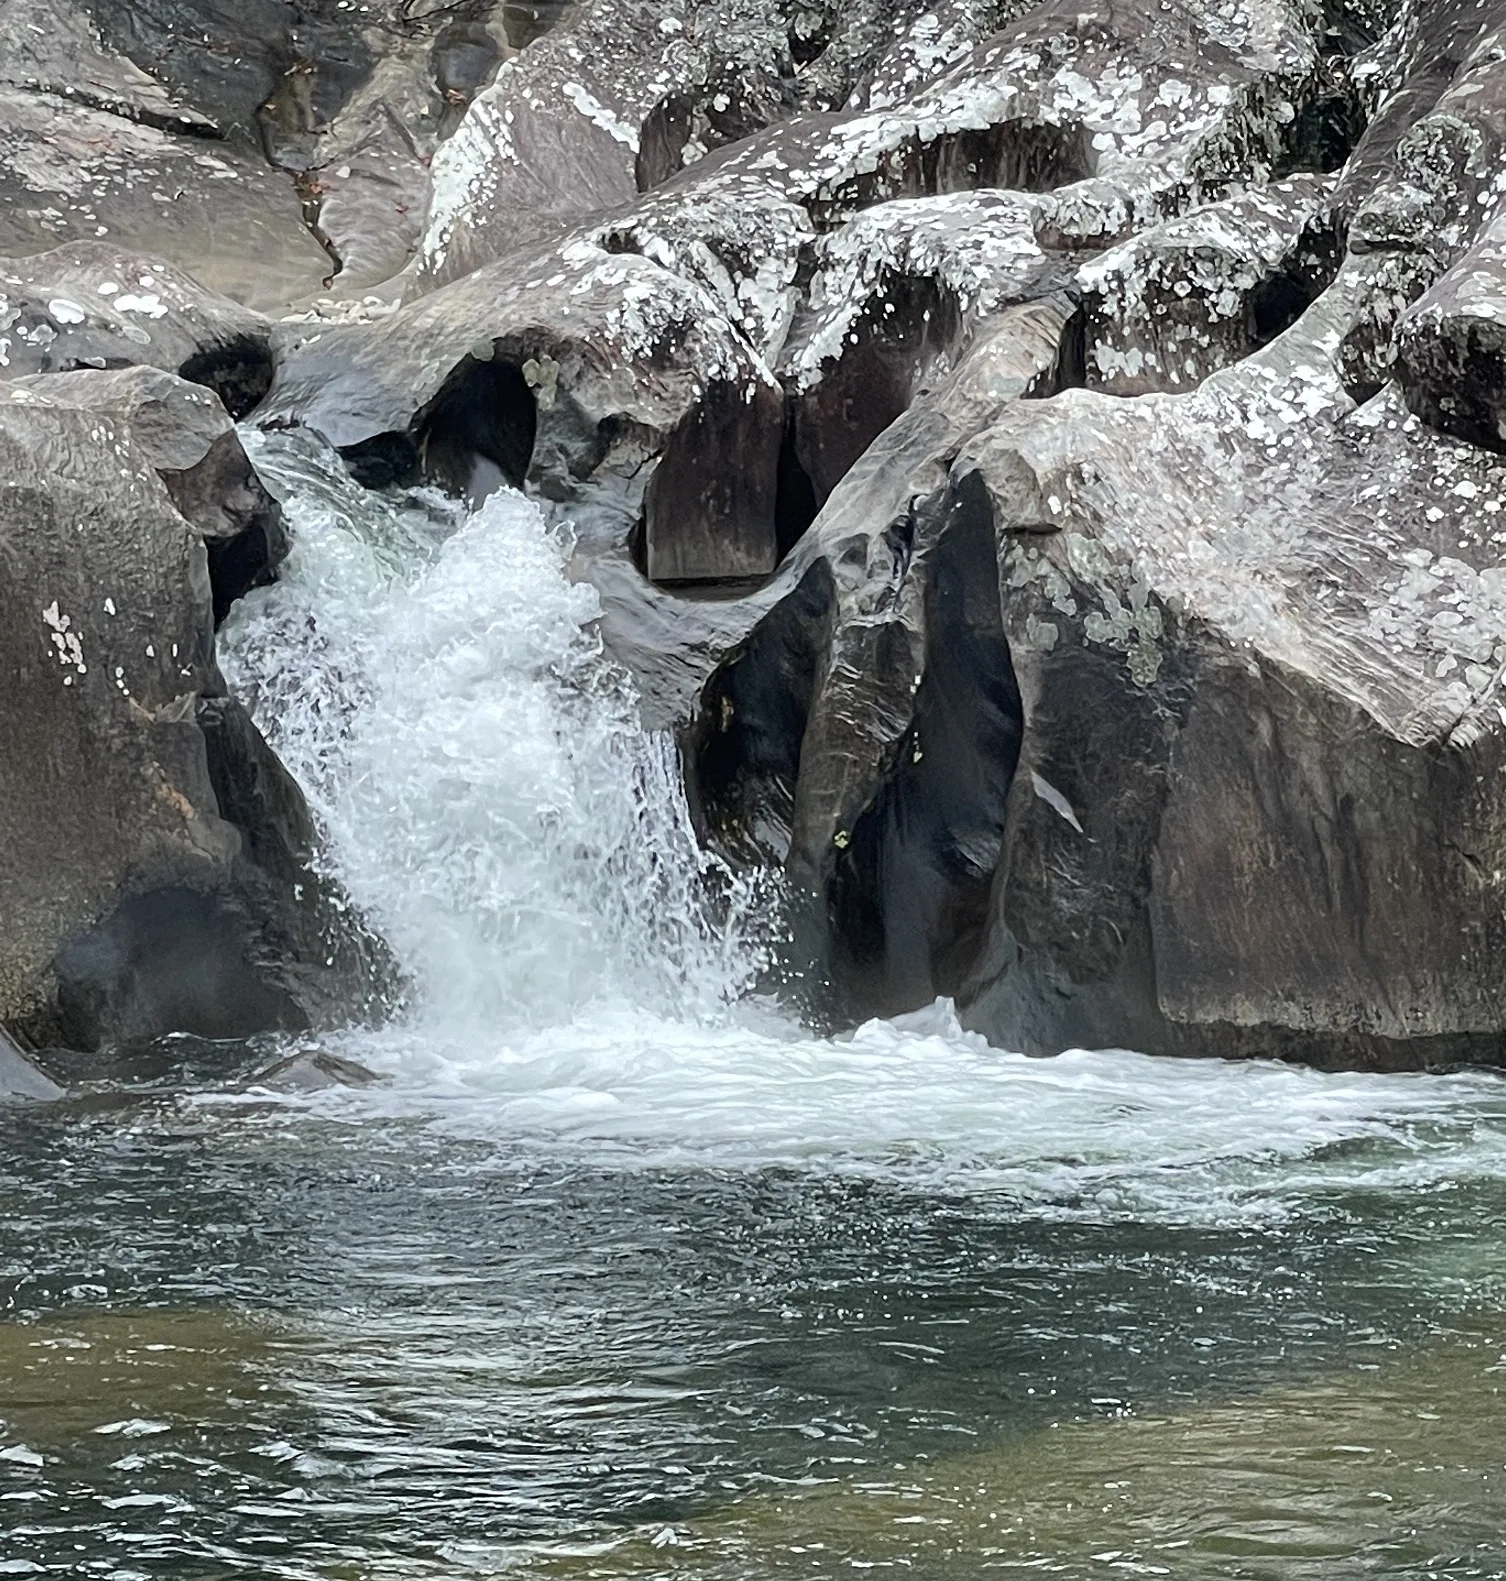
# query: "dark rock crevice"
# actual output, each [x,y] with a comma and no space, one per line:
[239,371]
[796,502]
[694,124]
[1275,304]
[1454,378]
[744,749]
[528,20]
[907,899]
[478,433]
[1017,155]
[711,506]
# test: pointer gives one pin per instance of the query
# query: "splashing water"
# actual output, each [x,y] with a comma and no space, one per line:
[486,793]
[491,801]
[630,1276]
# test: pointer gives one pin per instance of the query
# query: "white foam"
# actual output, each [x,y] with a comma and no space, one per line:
[488,798]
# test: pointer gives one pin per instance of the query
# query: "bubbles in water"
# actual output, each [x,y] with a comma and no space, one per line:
[487,794]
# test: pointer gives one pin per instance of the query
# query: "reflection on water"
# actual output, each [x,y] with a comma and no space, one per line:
[257,1341]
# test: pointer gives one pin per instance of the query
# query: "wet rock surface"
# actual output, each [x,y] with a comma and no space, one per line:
[271,147]
[1256,659]
[21,1078]
[1045,461]
[311,1070]
[93,305]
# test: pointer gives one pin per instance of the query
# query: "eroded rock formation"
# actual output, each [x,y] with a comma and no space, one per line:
[156,873]
[1046,460]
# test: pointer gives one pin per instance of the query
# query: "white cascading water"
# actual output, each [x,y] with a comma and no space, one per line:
[490,801]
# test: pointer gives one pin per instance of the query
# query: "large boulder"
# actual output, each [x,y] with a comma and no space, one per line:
[94,305]
[1202,290]
[1172,723]
[616,102]
[862,731]
[157,854]
[1259,650]
[1175,722]
[184,434]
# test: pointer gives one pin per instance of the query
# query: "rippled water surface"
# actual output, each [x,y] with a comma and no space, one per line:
[248,1338]
[617,1271]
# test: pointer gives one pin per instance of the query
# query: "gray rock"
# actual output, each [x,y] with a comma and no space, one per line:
[615,366]
[1196,293]
[897,294]
[1451,345]
[183,432]
[1170,721]
[20,1076]
[1127,115]
[617,101]
[95,305]
[863,733]
[272,149]
[1223,777]
[311,1070]
[70,171]
[876,53]
[1257,661]
[156,873]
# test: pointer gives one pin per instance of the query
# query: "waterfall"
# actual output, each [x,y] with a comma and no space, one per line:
[578,968]
[484,789]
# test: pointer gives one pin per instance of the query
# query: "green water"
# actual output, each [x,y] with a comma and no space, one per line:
[251,1340]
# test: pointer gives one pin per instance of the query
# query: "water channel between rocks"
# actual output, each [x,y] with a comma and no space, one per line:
[620,1272]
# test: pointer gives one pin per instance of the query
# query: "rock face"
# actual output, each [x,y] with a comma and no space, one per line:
[156,871]
[92,305]
[601,379]
[272,148]
[1250,801]
[1124,721]
[610,323]
[1046,460]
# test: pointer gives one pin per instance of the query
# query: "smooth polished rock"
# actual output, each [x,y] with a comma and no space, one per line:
[149,885]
